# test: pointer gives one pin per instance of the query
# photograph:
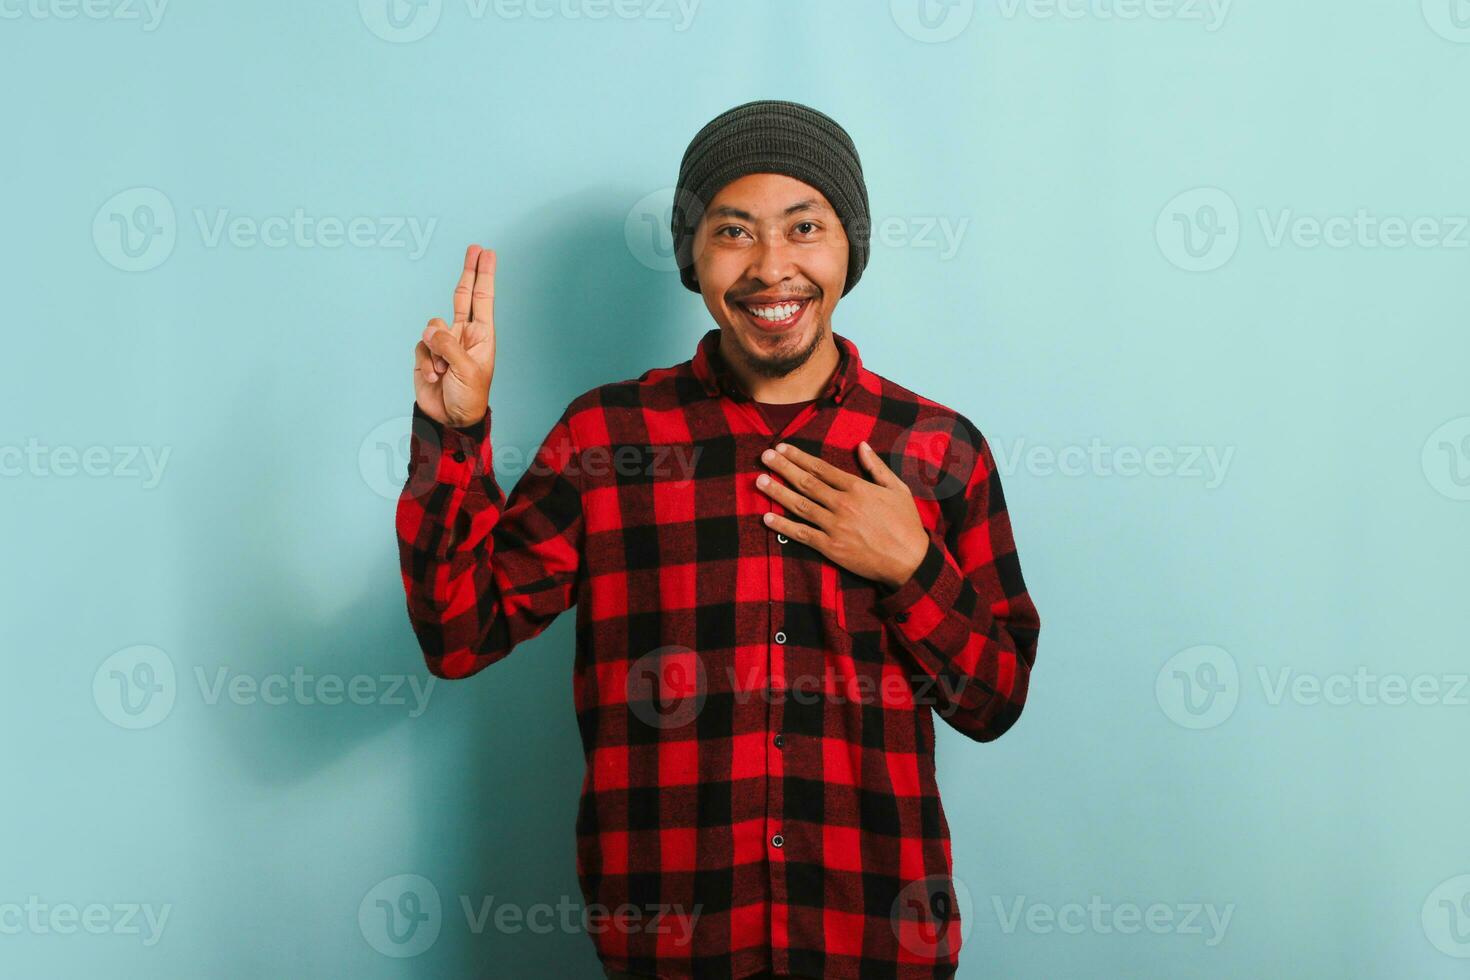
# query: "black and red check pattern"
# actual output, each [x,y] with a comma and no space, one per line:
[757,720]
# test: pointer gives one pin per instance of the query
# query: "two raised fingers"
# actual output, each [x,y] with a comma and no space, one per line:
[474,296]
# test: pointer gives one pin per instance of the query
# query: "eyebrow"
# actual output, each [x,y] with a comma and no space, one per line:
[725,211]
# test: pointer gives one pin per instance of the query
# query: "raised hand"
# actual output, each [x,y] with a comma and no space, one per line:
[453,363]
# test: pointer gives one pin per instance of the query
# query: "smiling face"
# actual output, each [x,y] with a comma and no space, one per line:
[771,258]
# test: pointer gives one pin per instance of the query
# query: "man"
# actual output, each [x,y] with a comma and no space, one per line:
[784,565]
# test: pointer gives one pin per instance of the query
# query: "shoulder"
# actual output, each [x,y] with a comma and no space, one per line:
[938,451]
[914,413]
[663,387]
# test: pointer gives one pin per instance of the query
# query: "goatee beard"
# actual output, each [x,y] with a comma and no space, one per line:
[782,364]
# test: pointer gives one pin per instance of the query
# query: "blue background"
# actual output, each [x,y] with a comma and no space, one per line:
[1094,238]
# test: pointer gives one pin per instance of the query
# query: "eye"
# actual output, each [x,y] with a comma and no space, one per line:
[807,224]
[734,228]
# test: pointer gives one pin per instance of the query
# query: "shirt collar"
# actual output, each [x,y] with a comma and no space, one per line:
[716,377]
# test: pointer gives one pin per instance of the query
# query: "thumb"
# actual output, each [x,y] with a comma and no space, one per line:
[875,465]
[442,341]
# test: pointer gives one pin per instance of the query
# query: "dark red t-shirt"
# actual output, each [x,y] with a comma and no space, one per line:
[779,414]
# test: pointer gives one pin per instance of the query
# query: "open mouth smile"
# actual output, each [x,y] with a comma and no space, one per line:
[774,317]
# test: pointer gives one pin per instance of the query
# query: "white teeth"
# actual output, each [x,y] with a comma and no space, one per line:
[776,313]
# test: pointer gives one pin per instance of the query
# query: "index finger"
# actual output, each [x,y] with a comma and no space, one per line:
[466,285]
[824,470]
[483,297]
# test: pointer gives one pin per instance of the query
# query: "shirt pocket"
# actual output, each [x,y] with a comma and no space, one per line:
[849,602]
[832,603]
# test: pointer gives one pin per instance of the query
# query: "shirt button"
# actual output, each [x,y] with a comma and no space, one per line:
[780,636]
[902,617]
[778,740]
[782,538]
[459,455]
[777,841]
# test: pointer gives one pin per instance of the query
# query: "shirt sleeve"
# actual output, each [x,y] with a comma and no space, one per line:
[483,572]
[965,616]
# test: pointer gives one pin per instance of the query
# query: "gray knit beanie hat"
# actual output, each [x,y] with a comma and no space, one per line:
[772,136]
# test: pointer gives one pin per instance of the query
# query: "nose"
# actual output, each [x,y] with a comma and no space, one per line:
[771,261]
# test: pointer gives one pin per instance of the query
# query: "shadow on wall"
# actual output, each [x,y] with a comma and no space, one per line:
[495,760]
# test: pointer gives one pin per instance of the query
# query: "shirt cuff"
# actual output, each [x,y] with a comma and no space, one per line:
[921,601]
[454,455]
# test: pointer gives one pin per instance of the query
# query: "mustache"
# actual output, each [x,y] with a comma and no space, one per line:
[781,298]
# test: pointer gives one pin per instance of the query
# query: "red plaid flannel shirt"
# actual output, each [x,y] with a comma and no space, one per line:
[757,721]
